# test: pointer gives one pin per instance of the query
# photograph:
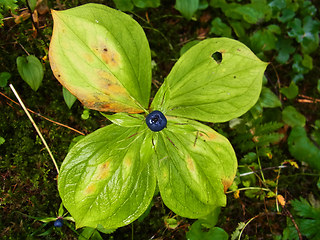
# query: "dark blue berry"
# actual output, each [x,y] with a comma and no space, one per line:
[58,222]
[156,121]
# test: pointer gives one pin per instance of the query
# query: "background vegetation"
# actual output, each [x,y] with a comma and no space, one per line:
[276,192]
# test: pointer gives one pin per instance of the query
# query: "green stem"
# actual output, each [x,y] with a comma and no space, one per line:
[250,188]
[245,226]
[277,182]
[262,175]
[35,126]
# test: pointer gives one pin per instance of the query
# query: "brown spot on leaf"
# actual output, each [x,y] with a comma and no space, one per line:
[88,58]
[190,164]
[90,189]
[208,136]
[111,58]
[109,85]
[108,55]
[103,171]
[127,162]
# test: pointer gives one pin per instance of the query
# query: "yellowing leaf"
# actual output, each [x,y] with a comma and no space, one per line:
[95,55]
[196,165]
[236,194]
[281,200]
[107,178]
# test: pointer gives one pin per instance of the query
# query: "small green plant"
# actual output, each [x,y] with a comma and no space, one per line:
[109,177]
[307,218]
[30,70]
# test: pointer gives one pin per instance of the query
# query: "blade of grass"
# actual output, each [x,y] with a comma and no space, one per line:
[35,126]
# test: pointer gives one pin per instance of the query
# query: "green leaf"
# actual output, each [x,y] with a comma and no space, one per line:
[9,4]
[126,120]
[268,99]
[304,209]
[274,29]
[2,140]
[236,233]
[90,233]
[146,3]
[286,15]
[100,228]
[85,114]
[48,219]
[290,92]
[107,178]
[30,70]
[199,87]
[284,48]
[308,9]
[310,39]
[249,14]
[306,33]
[301,147]
[315,135]
[171,223]
[254,12]
[196,232]
[296,30]
[318,86]
[95,55]
[307,62]
[32,4]
[278,4]
[187,7]
[219,28]
[239,29]
[187,46]
[68,97]
[263,40]
[124,5]
[196,165]
[309,224]
[61,210]
[292,117]
[4,77]
[211,220]
[146,213]
[203,4]
[297,65]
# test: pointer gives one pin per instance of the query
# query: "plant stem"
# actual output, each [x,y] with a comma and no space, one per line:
[262,175]
[246,225]
[250,188]
[35,126]
[277,182]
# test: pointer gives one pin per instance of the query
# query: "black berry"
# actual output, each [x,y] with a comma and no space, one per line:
[156,121]
[58,222]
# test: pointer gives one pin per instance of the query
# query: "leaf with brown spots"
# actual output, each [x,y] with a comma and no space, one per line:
[195,167]
[102,57]
[107,178]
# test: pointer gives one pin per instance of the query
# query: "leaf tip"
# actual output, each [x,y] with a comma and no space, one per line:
[226,183]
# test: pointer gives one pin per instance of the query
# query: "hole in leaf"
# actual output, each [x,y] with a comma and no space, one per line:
[217,56]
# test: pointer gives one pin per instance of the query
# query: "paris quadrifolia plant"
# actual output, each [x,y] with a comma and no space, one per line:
[109,178]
